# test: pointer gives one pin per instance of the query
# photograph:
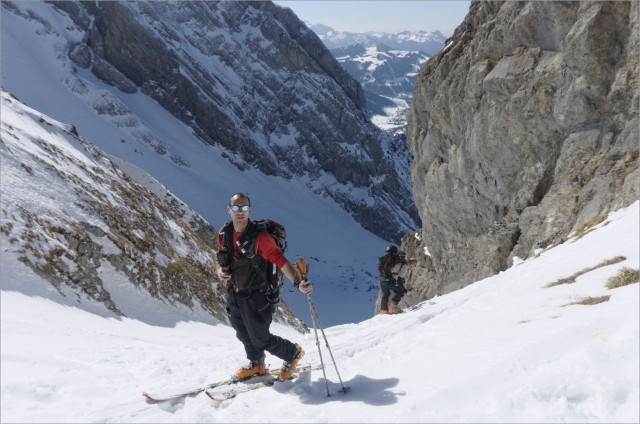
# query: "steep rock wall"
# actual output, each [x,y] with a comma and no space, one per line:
[252,78]
[523,129]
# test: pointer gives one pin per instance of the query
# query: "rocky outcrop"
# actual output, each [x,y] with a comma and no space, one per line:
[71,214]
[524,128]
[252,78]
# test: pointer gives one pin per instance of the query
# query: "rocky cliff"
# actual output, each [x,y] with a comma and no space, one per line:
[252,78]
[524,129]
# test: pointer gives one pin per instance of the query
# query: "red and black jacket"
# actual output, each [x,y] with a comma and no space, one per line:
[252,255]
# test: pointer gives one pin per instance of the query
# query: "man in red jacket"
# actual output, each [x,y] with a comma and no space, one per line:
[250,308]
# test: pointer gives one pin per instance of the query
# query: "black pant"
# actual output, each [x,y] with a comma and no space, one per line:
[388,286]
[250,316]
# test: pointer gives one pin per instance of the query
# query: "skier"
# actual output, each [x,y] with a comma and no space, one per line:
[242,263]
[394,268]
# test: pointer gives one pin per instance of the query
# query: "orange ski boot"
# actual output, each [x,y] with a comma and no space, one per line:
[289,367]
[251,369]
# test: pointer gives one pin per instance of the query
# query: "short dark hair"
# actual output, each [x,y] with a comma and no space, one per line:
[240,195]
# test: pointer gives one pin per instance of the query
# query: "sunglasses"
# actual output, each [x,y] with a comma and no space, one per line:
[238,208]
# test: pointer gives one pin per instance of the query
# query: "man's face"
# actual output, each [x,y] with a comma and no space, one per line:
[239,209]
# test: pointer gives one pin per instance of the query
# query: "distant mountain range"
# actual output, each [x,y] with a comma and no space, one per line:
[387,77]
[386,65]
[427,42]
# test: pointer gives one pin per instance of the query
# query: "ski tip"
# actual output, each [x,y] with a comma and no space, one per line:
[147,398]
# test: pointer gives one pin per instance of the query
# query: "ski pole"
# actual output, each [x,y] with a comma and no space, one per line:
[303,269]
[315,330]
[317,320]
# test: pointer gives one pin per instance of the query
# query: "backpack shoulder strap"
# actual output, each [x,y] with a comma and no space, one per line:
[244,242]
[381,261]
[247,240]
[226,234]
[246,245]
[385,262]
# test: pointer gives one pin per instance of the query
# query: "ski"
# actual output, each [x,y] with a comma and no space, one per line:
[230,393]
[174,397]
[153,399]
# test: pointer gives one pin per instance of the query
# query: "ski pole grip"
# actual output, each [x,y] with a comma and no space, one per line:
[302,268]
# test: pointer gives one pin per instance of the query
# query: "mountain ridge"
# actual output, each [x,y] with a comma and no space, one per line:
[214,67]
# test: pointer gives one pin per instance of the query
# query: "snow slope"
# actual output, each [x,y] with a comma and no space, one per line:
[504,349]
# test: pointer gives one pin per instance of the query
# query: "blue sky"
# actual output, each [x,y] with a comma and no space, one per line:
[381,15]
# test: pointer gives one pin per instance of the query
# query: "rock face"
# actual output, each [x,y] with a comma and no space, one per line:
[524,128]
[252,78]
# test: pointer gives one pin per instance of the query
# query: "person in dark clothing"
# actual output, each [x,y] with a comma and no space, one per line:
[394,268]
[250,308]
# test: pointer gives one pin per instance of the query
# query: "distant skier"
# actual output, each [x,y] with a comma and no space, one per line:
[394,268]
[244,256]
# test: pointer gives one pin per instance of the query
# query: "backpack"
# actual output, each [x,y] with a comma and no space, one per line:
[385,263]
[274,276]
